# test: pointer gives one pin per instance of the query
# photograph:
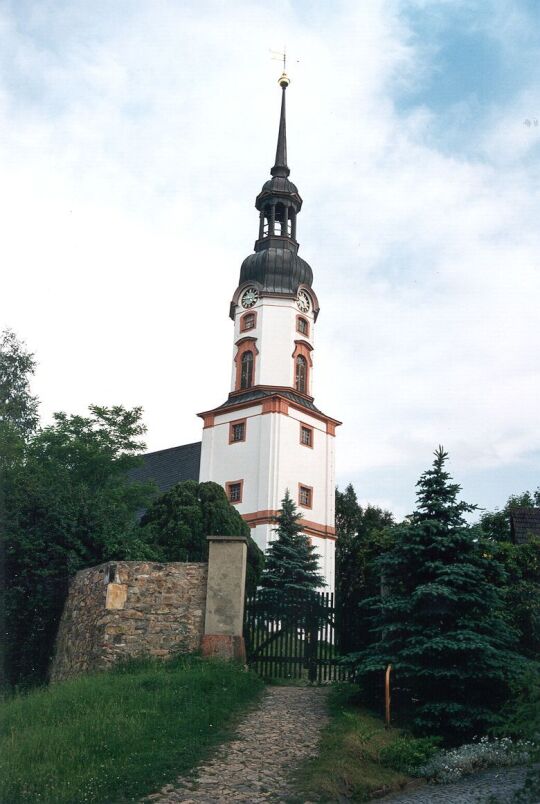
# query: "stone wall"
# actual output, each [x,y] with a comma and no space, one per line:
[130,608]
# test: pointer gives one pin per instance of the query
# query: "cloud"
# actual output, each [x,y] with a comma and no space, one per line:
[134,140]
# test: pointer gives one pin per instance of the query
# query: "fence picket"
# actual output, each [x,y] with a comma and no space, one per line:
[293,636]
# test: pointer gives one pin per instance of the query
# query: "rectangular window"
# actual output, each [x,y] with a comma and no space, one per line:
[237,431]
[234,491]
[302,326]
[248,321]
[306,435]
[305,496]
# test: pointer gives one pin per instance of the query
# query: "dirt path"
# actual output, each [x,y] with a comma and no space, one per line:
[271,742]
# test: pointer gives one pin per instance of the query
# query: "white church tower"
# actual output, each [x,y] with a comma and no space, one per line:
[269,436]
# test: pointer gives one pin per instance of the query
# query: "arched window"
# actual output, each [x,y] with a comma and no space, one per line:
[301,374]
[246,375]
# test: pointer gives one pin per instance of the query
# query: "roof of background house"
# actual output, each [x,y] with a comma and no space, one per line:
[524,521]
[166,467]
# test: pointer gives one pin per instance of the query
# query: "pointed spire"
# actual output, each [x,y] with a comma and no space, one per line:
[280,168]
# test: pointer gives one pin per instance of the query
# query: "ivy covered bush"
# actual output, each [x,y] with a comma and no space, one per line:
[407,754]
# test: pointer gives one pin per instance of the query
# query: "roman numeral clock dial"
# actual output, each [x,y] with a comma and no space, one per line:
[303,301]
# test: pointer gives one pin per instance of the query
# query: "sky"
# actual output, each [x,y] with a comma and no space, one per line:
[134,138]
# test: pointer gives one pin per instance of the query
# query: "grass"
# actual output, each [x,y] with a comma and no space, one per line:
[117,736]
[349,763]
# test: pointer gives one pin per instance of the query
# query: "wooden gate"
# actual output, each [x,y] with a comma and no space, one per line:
[292,635]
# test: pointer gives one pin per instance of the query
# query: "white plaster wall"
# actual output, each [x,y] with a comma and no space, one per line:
[276,333]
[308,466]
[269,461]
[222,462]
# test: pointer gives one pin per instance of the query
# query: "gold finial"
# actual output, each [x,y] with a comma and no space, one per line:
[284,79]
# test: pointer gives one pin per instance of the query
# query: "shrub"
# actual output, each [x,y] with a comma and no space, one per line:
[450,765]
[407,754]
[521,716]
[177,523]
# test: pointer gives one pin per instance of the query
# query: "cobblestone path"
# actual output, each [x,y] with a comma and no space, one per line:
[499,783]
[270,743]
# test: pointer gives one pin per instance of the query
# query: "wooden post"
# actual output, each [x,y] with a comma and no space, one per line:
[387,695]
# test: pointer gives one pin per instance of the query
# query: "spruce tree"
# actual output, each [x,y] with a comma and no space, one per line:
[440,620]
[291,565]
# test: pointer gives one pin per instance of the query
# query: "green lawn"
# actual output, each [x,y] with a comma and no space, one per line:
[116,736]
[349,762]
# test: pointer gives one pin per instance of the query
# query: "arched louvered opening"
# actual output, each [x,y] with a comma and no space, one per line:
[246,372]
[301,383]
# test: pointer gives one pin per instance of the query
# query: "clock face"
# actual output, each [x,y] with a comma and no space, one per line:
[249,297]
[303,301]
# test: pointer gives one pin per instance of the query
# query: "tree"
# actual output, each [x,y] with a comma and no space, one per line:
[522,565]
[18,408]
[177,523]
[362,535]
[18,420]
[68,505]
[495,525]
[440,622]
[292,564]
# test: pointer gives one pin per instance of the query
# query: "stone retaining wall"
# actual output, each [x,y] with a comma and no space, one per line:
[130,608]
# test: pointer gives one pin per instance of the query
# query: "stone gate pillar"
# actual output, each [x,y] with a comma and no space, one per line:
[223,628]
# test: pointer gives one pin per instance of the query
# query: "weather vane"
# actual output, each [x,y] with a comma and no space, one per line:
[279,56]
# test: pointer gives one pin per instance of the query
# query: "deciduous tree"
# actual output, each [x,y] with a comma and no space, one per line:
[68,505]
[362,535]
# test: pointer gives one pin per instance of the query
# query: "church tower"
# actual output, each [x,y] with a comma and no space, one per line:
[269,436]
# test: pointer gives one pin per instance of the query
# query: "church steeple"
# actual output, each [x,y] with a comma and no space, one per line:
[281,168]
[279,201]
[275,265]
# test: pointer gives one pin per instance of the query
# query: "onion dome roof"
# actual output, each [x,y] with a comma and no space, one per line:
[279,184]
[277,270]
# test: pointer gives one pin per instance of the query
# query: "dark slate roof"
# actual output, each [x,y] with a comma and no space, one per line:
[251,396]
[524,522]
[279,184]
[277,270]
[166,467]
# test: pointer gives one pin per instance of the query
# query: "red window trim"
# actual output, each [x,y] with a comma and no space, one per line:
[231,425]
[302,318]
[303,348]
[245,345]
[243,318]
[310,488]
[312,431]
[228,485]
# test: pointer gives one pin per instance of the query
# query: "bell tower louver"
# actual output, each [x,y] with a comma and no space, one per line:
[268,436]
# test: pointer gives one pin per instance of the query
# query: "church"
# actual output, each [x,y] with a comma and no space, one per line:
[268,436]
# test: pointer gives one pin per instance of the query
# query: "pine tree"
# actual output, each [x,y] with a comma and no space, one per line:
[440,622]
[291,564]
